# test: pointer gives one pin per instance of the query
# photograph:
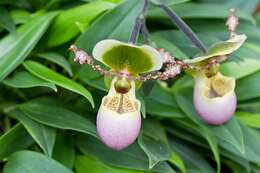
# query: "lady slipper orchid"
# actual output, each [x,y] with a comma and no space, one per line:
[214,98]
[119,118]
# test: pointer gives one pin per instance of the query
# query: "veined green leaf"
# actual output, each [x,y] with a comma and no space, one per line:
[248,87]
[185,102]
[250,119]
[43,135]
[64,151]
[252,142]
[200,11]
[14,49]
[168,46]
[154,142]
[248,63]
[58,117]
[27,80]
[84,163]
[161,103]
[192,159]
[64,28]
[58,59]
[49,75]
[29,161]
[13,140]
[177,161]
[131,158]
[20,16]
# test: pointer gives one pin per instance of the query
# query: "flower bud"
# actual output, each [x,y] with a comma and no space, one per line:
[119,118]
[214,98]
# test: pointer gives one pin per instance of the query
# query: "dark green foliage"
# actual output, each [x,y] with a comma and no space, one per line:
[47,119]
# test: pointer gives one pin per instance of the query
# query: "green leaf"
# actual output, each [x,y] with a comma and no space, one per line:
[13,140]
[43,135]
[58,117]
[202,11]
[250,119]
[161,103]
[116,24]
[29,161]
[250,106]
[64,151]
[247,64]
[191,156]
[154,142]
[20,16]
[252,143]
[167,45]
[248,87]
[64,27]
[27,80]
[14,49]
[177,161]
[174,2]
[230,132]
[90,77]
[131,158]
[51,76]
[187,107]
[19,3]
[84,163]
[6,20]
[58,59]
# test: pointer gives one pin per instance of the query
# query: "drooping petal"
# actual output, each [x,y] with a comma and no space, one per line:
[119,118]
[119,56]
[214,98]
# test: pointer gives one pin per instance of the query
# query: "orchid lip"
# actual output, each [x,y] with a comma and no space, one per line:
[214,98]
[119,119]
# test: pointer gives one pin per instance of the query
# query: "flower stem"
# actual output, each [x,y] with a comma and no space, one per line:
[138,24]
[184,27]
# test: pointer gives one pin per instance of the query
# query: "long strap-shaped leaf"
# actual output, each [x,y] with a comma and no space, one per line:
[15,48]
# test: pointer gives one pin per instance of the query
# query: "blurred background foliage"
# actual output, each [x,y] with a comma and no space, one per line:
[47,121]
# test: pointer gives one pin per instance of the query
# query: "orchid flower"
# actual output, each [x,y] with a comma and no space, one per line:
[214,96]
[119,119]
